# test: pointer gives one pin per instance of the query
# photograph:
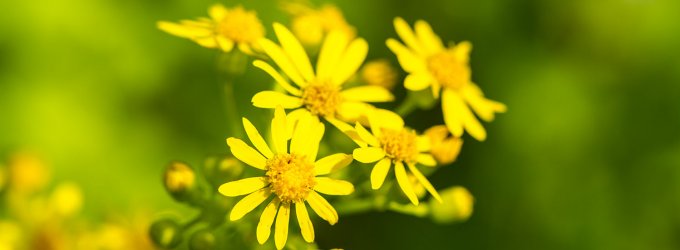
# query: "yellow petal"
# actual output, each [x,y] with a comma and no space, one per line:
[351,61]
[366,136]
[368,154]
[332,163]
[257,139]
[462,51]
[329,56]
[183,30]
[281,229]
[322,207]
[243,186]
[424,143]
[317,135]
[207,42]
[225,44]
[421,178]
[277,77]
[217,12]
[292,47]
[347,130]
[379,173]
[306,227]
[411,62]
[246,154]
[456,113]
[418,81]
[404,183]
[330,186]
[382,118]
[271,99]
[302,138]
[483,107]
[368,94]
[353,111]
[426,159]
[406,35]
[430,41]
[266,220]
[292,119]
[435,90]
[281,59]
[279,131]
[248,203]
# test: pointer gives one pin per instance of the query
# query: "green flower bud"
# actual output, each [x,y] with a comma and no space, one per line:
[219,170]
[202,240]
[179,180]
[166,233]
[457,205]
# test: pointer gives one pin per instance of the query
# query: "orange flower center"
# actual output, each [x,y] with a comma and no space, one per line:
[321,98]
[241,26]
[448,70]
[399,145]
[291,177]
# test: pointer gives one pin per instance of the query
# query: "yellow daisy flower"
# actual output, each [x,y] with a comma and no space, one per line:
[390,143]
[291,176]
[310,24]
[318,92]
[225,29]
[446,70]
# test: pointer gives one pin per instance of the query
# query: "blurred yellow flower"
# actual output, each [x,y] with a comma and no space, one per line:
[443,147]
[179,177]
[291,176]
[458,205]
[319,93]
[389,142]
[225,29]
[430,64]
[27,173]
[10,236]
[310,25]
[379,73]
[66,199]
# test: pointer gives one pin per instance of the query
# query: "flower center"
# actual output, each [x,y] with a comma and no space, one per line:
[321,98]
[291,177]
[399,145]
[448,71]
[241,26]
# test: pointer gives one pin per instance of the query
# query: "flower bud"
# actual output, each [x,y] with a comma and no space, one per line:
[457,205]
[179,180]
[443,147]
[166,233]
[379,73]
[202,240]
[219,170]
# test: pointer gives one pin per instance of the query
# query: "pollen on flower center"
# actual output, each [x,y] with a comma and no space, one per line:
[291,177]
[448,71]
[241,26]
[321,98]
[399,145]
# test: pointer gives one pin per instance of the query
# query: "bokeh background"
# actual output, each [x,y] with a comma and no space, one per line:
[588,156]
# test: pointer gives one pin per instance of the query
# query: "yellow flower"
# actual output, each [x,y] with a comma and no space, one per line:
[179,177]
[443,147]
[390,143]
[447,70]
[318,92]
[27,173]
[310,25]
[291,176]
[226,28]
[379,73]
[458,207]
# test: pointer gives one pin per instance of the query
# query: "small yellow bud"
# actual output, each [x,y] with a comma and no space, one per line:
[179,177]
[379,73]
[457,206]
[443,147]
[67,199]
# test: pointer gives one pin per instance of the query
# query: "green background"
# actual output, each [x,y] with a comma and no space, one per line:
[587,157]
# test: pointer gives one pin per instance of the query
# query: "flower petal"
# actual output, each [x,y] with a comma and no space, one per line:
[257,139]
[266,220]
[184,30]
[367,94]
[351,61]
[406,34]
[346,129]
[279,131]
[281,229]
[379,173]
[411,62]
[304,135]
[404,183]
[248,203]
[458,115]
[243,186]
[368,154]
[421,178]
[430,41]
[322,207]
[281,59]
[329,56]
[330,186]
[277,77]
[217,12]
[366,135]
[483,107]
[292,47]
[306,227]
[245,153]
[270,99]
[427,160]
[418,81]
[225,44]
[332,163]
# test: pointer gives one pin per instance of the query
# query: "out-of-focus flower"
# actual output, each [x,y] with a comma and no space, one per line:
[443,147]
[225,29]
[445,70]
[27,173]
[319,93]
[389,142]
[290,175]
[379,73]
[66,199]
[457,206]
[310,25]
[10,236]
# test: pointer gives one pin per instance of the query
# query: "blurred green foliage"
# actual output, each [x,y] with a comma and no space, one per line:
[588,156]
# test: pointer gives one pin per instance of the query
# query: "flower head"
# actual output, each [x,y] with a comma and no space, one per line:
[310,24]
[446,70]
[290,175]
[443,147]
[379,73]
[318,92]
[226,28]
[390,143]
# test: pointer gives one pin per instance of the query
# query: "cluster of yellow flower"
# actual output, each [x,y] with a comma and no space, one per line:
[291,171]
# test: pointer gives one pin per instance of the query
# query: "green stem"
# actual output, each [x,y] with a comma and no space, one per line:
[407,106]
[232,109]
[355,206]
